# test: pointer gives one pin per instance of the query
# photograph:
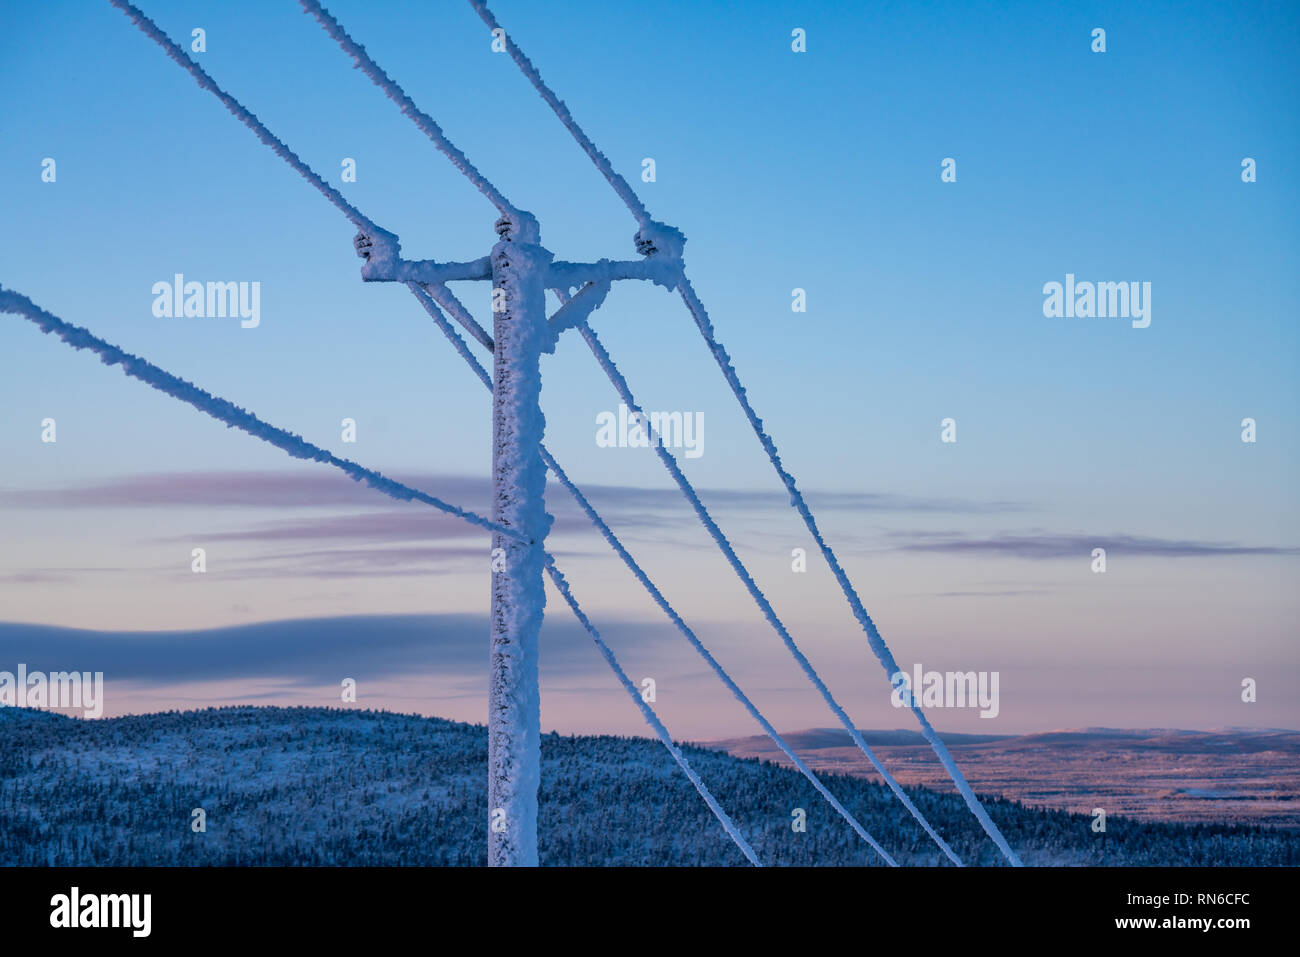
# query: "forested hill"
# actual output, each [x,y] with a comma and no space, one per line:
[328,786]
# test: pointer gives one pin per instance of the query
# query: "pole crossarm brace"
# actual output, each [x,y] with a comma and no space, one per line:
[455,308]
[576,311]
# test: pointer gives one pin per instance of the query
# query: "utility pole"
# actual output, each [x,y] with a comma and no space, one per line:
[519,332]
[520,271]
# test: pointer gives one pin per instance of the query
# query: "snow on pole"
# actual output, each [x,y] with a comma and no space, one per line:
[227,412]
[670,463]
[518,501]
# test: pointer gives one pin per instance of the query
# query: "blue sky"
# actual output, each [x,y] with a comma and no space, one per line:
[817,170]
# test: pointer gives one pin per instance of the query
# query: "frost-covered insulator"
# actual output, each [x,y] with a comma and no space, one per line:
[657,239]
[380,249]
[518,226]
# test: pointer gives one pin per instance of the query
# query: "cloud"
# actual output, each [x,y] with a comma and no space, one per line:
[1043,545]
[310,488]
[37,576]
[310,651]
[307,488]
[847,501]
[378,562]
[1011,593]
[398,525]
[371,520]
[319,511]
[41,576]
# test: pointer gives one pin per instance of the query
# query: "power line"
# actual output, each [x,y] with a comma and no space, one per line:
[439,289]
[670,463]
[151,30]
[651,717]
[657,596]
[225,411]
[395,93]
[599,159]
[874,639]
[642,216]
[431,128]
[80,338]
[653,268]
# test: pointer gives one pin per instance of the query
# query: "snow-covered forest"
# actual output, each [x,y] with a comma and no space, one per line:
[293,786]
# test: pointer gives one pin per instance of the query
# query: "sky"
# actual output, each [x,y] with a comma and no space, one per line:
[817,170]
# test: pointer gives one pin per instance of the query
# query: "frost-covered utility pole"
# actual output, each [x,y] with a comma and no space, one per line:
[519,334]
[520,271]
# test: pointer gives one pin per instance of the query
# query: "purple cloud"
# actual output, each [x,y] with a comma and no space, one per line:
[307,650]
[312,489]
[1039,546]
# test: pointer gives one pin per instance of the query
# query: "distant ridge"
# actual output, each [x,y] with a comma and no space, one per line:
[1242,775]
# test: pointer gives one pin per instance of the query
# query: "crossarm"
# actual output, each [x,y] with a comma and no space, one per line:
[381,251]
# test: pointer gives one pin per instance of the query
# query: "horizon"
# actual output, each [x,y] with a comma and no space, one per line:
[787,733]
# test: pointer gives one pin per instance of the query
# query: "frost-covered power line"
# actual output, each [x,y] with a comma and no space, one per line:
[225,411]
[656,595]
[660,731]
[151,30]
[874,639]
[599,159]
[696,308]
[670,463]
[431,307]
[79,338]
[662,267]
[427,282]
[455,307]
[395,93]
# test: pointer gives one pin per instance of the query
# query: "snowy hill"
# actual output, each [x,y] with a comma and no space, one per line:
[325,786]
